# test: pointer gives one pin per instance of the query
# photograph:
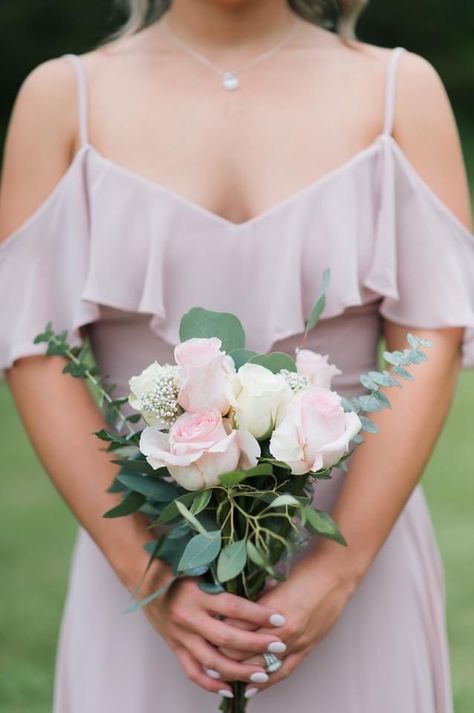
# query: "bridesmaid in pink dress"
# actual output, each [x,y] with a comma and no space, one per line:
[165,185]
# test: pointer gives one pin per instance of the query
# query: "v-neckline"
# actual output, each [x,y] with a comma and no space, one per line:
[219,219]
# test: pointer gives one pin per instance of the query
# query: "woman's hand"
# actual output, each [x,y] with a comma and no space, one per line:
[191,622]
[311,599]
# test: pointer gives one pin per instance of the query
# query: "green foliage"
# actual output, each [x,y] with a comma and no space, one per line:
[320,302]
[201,550]
[320,523]
[241,356]
[375,380]
[274,362]
[199,322]
[232,560]
[229,480]
[130,504]
[79,366]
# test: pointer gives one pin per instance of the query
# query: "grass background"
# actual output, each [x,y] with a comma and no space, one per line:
[37,533]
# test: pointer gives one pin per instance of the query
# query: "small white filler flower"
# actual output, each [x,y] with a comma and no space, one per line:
[154,393]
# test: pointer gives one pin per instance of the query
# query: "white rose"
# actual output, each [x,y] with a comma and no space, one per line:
[260,400]
[154,393]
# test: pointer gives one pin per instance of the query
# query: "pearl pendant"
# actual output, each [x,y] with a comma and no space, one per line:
[230,81]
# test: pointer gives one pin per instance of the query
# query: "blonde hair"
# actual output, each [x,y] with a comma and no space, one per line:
[340,15]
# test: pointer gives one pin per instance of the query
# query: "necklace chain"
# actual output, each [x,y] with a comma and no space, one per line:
[229,79]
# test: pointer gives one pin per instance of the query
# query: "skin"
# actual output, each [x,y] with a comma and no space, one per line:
[230,160]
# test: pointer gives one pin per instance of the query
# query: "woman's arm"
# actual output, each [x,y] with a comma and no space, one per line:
[60,415]
[386,468]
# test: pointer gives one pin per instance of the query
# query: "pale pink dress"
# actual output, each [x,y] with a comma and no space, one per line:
[127,257]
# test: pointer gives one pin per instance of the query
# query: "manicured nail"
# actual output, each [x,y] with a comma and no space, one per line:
[277,620]
[276,647]
[211,673]
[250,692]
[225,693]
[258,677]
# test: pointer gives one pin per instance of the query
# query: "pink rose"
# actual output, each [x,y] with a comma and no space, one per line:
[316,368]
[199,448]
[205,375]
[315,432]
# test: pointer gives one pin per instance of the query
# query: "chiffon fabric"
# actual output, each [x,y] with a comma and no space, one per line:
[125,257]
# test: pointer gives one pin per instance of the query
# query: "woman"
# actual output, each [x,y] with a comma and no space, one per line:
[224,155]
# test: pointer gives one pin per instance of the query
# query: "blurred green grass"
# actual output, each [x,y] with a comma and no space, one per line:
[37,534]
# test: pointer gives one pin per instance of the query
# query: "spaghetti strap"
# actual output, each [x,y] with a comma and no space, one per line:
[390,89]
[82,98]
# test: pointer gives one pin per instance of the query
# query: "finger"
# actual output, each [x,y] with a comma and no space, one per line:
[223,635]
[218,666]
[234,607]
[195,674]
[233,653]
[289,665]
[261,660]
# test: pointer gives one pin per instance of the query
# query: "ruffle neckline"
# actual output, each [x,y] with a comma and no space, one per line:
[107,236]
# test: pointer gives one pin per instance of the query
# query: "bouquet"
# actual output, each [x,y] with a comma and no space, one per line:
[232,446]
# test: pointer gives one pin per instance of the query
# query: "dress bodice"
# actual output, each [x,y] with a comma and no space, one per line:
[128,257]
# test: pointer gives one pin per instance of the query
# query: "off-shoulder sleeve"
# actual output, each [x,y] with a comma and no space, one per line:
[423,262]
[43,267]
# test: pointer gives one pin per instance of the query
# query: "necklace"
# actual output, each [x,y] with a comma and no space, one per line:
[230,80]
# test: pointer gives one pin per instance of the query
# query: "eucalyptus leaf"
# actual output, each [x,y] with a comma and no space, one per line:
[275,462]
[403,373]
[368,425]
[234,477]
[170,549]
[200,550]
[137,466]
[284,500]
[171,510]
[241,356]
[187,514]
[231,561]
[153,488]
[382,399]
[143,602]
[320,302]
[202,323]
[129,504]
[211,587]
[368,383]
[321,523]
[116,487]
[201,501]
[274,362]
[258,558]
[196,571]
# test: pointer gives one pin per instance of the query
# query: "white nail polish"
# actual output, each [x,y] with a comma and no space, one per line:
[277,620]
[258,677]
[276,647]
[225,693]
[211,673]
[250,692]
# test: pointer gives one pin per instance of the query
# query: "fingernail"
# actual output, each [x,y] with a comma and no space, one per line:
[225,693]
[250,692]
[258,677]
[277,620]
[276,647]
[211,673]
